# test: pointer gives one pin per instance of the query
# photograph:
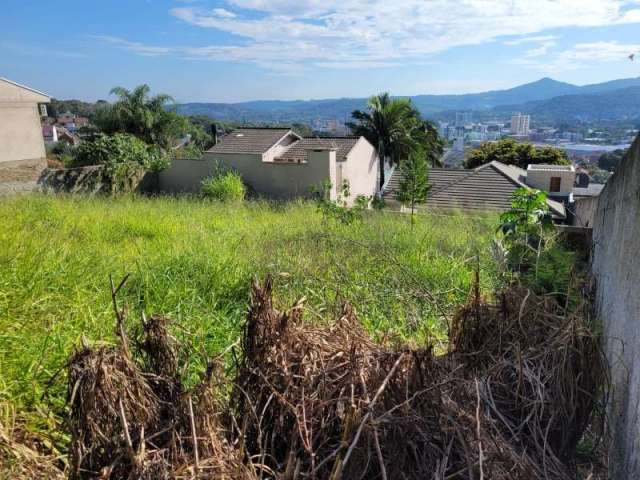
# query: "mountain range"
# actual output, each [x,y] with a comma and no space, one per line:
[545,99]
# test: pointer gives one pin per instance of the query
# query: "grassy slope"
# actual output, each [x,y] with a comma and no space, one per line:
[193,261]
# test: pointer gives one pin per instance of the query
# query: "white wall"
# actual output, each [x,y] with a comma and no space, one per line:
[541,179]
[361,170]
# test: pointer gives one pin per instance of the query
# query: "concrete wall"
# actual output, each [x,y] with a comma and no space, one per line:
[584,211]
[20,131]
[616,269]
[281,180]
[185,176]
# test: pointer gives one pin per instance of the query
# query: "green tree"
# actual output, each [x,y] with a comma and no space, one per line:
[611,160]
[510,152]
[393,126]
[414,185]
[148,118]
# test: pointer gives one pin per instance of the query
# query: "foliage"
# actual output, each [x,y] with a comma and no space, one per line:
[599,175]
[148,118]
[193,260]
[510,152]
[523,226]
[414,185]
[226,187]
[611,160]
[395,128]
[119,149]
[77,107]
[339,209]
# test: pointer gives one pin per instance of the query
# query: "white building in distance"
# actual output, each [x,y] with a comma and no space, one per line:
[520,124]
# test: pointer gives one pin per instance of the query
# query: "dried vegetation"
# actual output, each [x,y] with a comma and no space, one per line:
[510,400]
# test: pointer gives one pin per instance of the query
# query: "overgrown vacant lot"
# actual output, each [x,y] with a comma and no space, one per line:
[193,261]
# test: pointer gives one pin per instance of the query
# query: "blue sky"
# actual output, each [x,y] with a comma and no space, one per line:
[234,50]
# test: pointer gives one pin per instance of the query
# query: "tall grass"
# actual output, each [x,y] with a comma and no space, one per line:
[193,260]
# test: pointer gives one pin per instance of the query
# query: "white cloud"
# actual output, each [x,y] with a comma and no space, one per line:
[580,55]
[535,39]
[291,34]
[136,47]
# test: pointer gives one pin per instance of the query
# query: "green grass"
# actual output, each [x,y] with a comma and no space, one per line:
[193,260]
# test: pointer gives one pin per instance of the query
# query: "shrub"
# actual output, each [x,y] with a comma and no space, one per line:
[119,149]
[226,187]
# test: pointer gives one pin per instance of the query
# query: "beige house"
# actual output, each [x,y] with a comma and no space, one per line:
[277,163]
[22,154]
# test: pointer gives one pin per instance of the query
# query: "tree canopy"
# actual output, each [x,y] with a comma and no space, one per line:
[148,118]
[611,160]
[510,152]
[394,126]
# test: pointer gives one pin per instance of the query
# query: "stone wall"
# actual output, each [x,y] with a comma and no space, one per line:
[92,180]
[616,269]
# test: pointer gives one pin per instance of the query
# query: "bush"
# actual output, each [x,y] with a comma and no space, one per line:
[114,151]
[226,187]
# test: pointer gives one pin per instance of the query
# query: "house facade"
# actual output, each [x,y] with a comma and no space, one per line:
[22,152]
[279,164]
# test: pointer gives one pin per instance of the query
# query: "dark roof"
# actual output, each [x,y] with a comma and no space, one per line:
[300,149]
[249,140]
[488,187]
[593,190]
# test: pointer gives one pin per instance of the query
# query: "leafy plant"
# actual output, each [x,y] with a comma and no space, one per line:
[226,187]
[112,151]
[339,209]
[523,225]
[414,185]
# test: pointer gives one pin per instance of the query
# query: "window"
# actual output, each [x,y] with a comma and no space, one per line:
[554,184]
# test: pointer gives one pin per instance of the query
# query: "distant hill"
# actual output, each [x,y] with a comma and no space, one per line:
[620,104]
[531,97]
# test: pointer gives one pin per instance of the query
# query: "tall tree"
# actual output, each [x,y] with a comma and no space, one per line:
[146,117]
[414,184]
[392,125]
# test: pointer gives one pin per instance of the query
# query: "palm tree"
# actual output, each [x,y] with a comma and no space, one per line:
[393,126]
[139,114]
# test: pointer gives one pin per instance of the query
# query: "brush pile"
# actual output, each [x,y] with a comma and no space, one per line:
[131,418]
[510,400]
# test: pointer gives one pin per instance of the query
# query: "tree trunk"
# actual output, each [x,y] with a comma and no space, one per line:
[382,159]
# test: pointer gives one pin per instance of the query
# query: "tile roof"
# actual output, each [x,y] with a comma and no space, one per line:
[249,140]
[488,187]
[300,149]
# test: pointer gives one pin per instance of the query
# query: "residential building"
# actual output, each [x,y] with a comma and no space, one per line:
[486,188]
[520,124]
[277,163]
[21,143]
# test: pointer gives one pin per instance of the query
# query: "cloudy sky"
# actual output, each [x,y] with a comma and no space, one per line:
[234,50]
